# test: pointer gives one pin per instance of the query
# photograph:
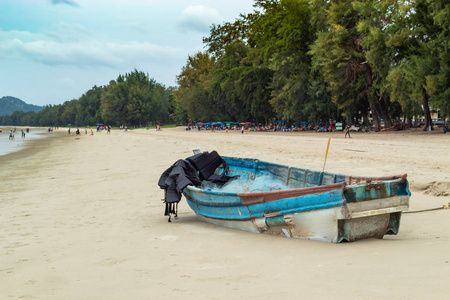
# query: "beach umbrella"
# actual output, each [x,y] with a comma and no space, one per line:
[99,124]
[208,123]
[69,124]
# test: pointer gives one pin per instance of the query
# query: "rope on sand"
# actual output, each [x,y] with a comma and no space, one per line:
[444,206]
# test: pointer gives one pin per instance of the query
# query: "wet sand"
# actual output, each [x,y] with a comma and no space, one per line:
[19,142]
[82,219]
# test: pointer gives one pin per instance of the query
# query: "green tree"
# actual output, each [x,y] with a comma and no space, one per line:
[415,37]
[69,112]
[193,95]
[134,99]
[114,102]
[88,107]
[339,54]
[438,84]
[284,48]
[234,83]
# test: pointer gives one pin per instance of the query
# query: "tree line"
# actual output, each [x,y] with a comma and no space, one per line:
[316,60]
[296,60]
[133,99]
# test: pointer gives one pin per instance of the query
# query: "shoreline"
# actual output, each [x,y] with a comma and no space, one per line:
[30,146]
[81,218]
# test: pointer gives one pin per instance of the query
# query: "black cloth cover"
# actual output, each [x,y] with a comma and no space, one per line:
[176,178]
[206,163]
[191,171]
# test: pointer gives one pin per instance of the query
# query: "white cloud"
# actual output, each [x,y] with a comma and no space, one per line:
[65,32]
[55,50]
[67,2]
[198,18]
[85,53]
[139,27]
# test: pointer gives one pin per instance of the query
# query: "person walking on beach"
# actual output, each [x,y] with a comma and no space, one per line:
[69,131]
[347,132]
[242,130]
[11,136]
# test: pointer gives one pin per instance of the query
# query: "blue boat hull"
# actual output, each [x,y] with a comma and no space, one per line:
[319,206]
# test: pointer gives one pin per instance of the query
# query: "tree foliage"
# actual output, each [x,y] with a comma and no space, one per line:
[133,99]
[299,60]
[318,60]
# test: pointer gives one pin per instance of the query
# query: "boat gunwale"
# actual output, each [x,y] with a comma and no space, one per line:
[308,190]
[349,183]
[393,178]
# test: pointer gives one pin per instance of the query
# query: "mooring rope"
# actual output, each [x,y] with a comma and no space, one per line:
[444,206]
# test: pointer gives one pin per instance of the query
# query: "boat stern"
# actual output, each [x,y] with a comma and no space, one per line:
[373,208]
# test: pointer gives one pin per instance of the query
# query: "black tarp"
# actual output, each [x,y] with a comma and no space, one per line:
[190,171]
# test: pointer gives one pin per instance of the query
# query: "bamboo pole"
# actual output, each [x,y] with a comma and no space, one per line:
[326,155]
[324,163]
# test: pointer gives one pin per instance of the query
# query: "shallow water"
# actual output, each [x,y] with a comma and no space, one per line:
[9,146]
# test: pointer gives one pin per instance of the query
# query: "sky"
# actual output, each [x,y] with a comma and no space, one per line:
[52,51]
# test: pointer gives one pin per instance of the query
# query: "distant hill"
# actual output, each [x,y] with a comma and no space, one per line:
[8,105]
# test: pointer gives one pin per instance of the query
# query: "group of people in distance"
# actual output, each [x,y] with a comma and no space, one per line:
[12,134]
[99,129]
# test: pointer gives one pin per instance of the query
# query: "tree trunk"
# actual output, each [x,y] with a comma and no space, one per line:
[376,121]
[426,111]
[385,114]
[407,121]
[373,107]
[366,121]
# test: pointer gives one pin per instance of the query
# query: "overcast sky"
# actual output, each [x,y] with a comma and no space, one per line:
[53,51]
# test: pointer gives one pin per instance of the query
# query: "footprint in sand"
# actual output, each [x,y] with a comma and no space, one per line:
[111,261]
[15,245]
[169,238]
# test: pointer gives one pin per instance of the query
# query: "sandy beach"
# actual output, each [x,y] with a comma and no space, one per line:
[82,218]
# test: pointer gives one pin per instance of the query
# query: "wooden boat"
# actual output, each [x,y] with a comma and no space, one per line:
[318,206]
